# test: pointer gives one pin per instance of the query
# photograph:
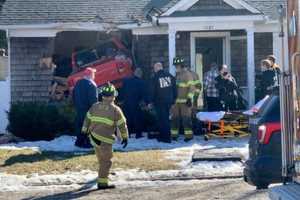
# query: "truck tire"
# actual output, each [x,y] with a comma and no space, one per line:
[262,186]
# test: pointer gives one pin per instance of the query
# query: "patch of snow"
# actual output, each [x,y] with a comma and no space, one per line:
[60,144]
[179,151]
[66,144]
[121,178]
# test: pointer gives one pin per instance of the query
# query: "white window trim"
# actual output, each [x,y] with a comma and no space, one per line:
[226,45]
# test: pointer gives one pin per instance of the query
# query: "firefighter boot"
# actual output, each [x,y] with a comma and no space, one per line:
[105,187]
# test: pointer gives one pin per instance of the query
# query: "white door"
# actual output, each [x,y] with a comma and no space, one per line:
[4,93]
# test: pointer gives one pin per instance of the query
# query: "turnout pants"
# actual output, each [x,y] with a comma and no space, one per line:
[104,155]
[181,120]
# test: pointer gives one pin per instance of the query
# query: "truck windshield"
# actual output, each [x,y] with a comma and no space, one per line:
[85,57]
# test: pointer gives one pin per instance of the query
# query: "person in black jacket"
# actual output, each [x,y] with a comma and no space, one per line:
[270,78]
[84,96]
[133,94]
[228,89]
[163,96]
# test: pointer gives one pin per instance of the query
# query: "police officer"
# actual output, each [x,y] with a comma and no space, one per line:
[102,121]
[133,93]
[84,96]
[182,111]
[163,96]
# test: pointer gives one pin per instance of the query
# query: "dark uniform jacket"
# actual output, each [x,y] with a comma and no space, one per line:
[84,95]
[163,88]
[228,90]
[270,81]
[133,92]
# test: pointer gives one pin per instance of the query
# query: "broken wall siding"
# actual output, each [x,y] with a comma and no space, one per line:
[29,82]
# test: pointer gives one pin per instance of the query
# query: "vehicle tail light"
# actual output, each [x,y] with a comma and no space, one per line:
[261,133]
[266,131]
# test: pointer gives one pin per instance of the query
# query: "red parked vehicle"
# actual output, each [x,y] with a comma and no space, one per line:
[111,60]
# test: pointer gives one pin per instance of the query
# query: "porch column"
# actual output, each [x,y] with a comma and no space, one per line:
[277,49]
[250,67]
[172,50]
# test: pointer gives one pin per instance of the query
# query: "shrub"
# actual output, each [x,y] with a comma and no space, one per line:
[39,121]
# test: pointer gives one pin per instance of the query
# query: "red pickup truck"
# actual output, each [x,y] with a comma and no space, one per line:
[111,60]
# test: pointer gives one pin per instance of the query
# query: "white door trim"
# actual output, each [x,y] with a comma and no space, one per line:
[226,45]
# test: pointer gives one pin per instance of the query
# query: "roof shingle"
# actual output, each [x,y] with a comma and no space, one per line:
[20,12]
[53,11]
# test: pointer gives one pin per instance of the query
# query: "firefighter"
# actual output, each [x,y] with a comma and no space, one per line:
[84,96]
[102,121]
[163,96]
[182,110]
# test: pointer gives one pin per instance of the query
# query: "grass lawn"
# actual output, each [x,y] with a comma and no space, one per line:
[23,162]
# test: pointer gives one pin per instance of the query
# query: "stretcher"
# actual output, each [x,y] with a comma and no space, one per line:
[224,125]
[228,124]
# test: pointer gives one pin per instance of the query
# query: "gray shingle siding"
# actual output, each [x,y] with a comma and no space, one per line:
[29,82]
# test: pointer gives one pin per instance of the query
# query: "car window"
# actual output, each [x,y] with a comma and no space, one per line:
[271,109]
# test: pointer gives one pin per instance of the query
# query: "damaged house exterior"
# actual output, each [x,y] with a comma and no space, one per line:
[238,33]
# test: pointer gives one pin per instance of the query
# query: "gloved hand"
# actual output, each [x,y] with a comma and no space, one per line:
[124,143]
[189,102]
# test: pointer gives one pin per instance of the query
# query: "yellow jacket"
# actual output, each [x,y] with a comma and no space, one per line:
[103,120]
[196,82]
[185,86]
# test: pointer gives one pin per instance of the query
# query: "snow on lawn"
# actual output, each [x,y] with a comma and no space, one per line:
[121,178]
[66,144]
[179,151]
[84,180]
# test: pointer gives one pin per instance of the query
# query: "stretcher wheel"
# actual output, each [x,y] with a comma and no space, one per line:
[236,134]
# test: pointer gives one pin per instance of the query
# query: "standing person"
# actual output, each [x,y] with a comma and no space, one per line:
[163,95]
[211,92]
[277,71]
[101,123]
[182,110]
[132,95]
[272,58]
[228,90]
[270,78]
[84,96]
